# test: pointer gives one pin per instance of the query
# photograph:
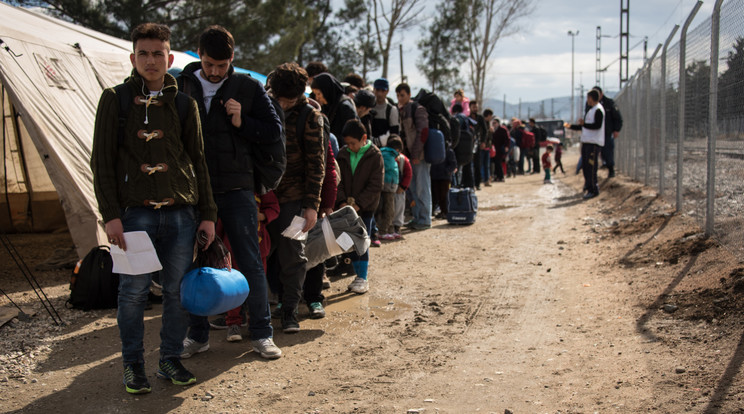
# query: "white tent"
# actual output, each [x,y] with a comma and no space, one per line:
[51,75]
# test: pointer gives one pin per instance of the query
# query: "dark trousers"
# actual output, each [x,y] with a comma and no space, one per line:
[558,164]
[498,166]
[476,170]
[290,255]
[312,290]
[439,193]
[589,159]
[608,151]
[535,160]
[468,176]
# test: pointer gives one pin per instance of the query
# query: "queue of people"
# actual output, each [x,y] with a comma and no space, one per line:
[180,161]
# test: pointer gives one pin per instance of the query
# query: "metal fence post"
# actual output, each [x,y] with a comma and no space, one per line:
[638,100]
[662,144]
[681,120]
[649,86]
[715,27]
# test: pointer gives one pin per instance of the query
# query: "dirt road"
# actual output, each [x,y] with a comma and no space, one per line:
[547,304]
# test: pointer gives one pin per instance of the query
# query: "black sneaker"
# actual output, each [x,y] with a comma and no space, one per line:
[289,321]
[173,370]
[135,379]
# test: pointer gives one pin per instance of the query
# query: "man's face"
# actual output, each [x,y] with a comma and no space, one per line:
[151,59]
[354,144]
[214,70]
[590,101]
[474,108]
[381,95]
[487,118]
[403,97]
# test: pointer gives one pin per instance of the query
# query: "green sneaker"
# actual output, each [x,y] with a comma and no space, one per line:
[316,310]
[173,370]
[135,379]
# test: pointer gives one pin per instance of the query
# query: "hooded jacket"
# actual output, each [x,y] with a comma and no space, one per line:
[365,183]
[168,169]
[228,149]
[340,108]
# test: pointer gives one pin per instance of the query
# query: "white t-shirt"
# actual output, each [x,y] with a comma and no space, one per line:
[209,89]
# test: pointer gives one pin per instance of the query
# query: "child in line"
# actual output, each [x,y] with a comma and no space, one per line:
[389,187]
[405,172]
[546,163]
[361,167]
[557,157]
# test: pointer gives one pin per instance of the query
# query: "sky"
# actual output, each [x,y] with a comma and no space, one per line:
[535,64]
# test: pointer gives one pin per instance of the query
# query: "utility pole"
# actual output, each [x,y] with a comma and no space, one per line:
[552,108]
[402,76]
[645,49]
[520,108]
[504,110]
[624,39]
[573,38]
[598,64]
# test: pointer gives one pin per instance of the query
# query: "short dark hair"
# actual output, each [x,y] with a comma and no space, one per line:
[549,148]
[533,120]
[598,89]
[487,113]
[456,108]
[155,31]
[403,87]
[473,102]
[288,80]
[593,94]
[351,89]
[354,79]
[217,43]
[395,142]
[315,68]
[354,128]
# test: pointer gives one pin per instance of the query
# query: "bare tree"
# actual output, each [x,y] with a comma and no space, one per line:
[489,21]
[401,14]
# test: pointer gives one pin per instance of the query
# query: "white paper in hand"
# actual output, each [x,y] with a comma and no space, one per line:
[294,230]
[140,257]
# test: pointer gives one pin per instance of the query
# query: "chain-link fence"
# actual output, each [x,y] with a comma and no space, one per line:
[683,127]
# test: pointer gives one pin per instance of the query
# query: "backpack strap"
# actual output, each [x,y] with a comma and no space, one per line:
[388,110]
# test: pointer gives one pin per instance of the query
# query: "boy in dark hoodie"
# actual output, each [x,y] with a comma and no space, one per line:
[362,170]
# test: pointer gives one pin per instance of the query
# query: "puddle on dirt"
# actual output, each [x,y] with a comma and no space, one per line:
[366,305]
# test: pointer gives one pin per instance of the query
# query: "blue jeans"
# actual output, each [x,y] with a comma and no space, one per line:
[485,164]
[239,215]
[421,191]
[172,231]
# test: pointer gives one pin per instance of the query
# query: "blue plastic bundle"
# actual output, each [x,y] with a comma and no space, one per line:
[207,291]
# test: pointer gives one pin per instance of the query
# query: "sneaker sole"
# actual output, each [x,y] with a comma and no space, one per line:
[163,375]
[205,348]
[138,391]
[291,330]
[234,338]
[267,356]
[317,315]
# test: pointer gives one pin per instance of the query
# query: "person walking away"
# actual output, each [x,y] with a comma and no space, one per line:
[159,185]
[362,170]
[415,130]
[546,164]
[592,139]
[558,155]
[235,113]
[300,188]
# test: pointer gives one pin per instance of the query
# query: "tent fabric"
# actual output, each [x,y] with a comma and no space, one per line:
[52,74]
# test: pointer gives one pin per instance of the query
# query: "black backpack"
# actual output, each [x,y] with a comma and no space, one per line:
[93,285]
[439,117]
[464,148]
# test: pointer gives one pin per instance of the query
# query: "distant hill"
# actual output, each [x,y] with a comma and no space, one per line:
[558,107]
